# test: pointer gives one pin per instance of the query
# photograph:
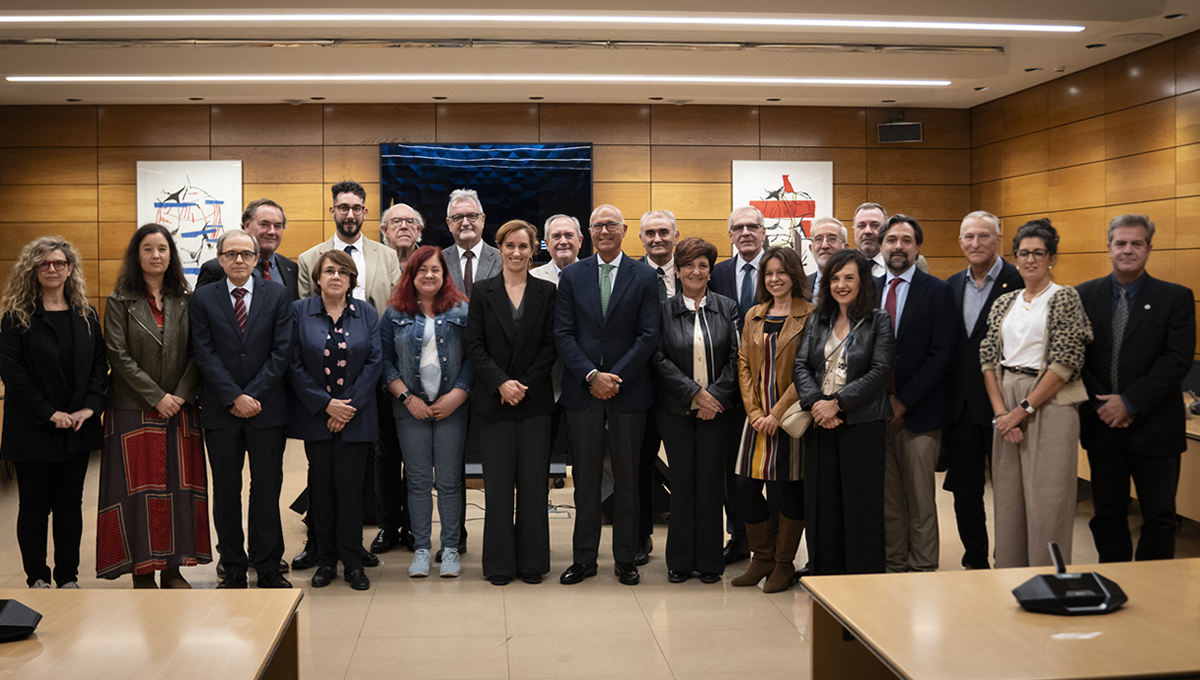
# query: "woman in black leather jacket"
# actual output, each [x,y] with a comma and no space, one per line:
[841,374]
[696,390]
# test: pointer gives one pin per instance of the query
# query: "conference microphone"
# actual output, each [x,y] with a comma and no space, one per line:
[1069,594]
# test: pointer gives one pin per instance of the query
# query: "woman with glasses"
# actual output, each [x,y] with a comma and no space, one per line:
[54,368]
[153,484]
[1031,358]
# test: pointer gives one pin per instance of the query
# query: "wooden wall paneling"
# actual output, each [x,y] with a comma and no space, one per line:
[114,237]
[117,203]
[846,198]
[941,238]
[986,163]
[1162,264]
[944,267]
[301,202]
[1187,220]
[1187,62]
[265,124]
[1161,213]
[106,276]
[631,198]
[987,123]
[1141,77]
[988,196]
[118,164]
[1187,170]
[1076,96]
[942,128]
[83,235]
[697,163]
[921,201]
[1145,177]
[849,165]
[1024,195]
[47,125]
[1187,118]
[715,232]
[1024,155]
[275,164]
[359,163]
[301,235]
[54,165]
[43,203]
[369,124]
[1026,111]
[487,123]
[1075,268]
[1187,268]
[918,166]
[813,126]
[182,125]
[595,123]
[621,163]
[1139,129]
[693,201]
[704,125]
[1076,143]
[93,278]
[1079,231]
[1080,186]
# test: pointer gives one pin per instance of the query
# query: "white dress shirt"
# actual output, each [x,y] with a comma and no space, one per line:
[878,266]
[462,259]
[668,275]
[612,275]
[360,263]
[248,286]
[740,273]
[901,292]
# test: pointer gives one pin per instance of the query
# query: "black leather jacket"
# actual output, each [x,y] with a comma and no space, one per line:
[674,388]
[870,354]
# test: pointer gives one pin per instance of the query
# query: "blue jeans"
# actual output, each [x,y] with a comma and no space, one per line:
[430,445]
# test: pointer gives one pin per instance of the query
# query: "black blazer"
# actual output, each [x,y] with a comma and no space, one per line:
[501,351]
[925,342]
[870,357]
[232,363]
[35,387]
[674,387]
[724,282]
[967,391]
[289,275]
[1156,354]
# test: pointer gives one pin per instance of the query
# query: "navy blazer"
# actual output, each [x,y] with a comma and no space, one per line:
[620,342]
[967,391]
[724,282]
[925,342]
[288,274]
[233,363]
[307,397]
[1156,354]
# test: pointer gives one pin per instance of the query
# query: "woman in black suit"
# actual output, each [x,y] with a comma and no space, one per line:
[54,368]
[510,341]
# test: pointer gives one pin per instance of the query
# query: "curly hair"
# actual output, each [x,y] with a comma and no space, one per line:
[23,290]
[131,278]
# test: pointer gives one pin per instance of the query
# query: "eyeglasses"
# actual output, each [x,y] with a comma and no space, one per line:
[753,226]
[1037,255]
[330,271]
[402,221]
[247,255]
[831,239]
[605,226]
[356,209]
[464,217]
[53,265]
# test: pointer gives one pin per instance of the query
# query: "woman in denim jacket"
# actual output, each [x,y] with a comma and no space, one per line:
[425,367]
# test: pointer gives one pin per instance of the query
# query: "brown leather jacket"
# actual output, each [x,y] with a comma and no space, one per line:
[750,358]
[147,364]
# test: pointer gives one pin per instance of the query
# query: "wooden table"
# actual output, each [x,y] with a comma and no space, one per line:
[956,625]
[176,634]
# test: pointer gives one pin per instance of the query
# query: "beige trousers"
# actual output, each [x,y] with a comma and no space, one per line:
[910,499]
[1034,481]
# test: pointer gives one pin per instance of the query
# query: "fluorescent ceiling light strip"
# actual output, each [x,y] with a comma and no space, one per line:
[768,22]
[478,78]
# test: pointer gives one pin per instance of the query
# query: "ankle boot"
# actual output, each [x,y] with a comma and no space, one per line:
[786,544]
[144,581]
[762,554]
[171,578]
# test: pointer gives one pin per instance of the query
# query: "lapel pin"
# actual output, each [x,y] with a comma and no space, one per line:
[1004,285]
[1147,306]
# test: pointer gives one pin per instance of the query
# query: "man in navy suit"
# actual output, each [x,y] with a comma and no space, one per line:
[922,311]
[241,335]
[605,329]
[264,220]
[967,438]
[1132,424]
[828,236]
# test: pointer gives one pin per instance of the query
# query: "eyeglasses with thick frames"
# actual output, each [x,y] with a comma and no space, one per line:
[356,209]
[464,217]
[53,265]
[752,226]
[246,255]
[1037,255]
[605,226]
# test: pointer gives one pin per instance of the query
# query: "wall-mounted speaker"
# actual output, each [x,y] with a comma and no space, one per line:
[17,621]
[901,132]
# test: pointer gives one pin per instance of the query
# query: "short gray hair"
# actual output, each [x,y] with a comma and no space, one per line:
[225,234]
[981,215]
[830,220]
[561,216]
[746,208]
[463,195]
[871,206]
[666,214]
[384,220]
[1132,220]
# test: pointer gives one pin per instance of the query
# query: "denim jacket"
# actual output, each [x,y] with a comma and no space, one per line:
[402,335]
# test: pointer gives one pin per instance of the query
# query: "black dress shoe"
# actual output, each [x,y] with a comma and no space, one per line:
[576,573]
[500,580]
[368,560]
[408,540]
[305,559]
[736,551]
[273,580]
[220,569]
[233,581]
[709,577]
[323,576]
[531,577]
[385,541]
[627,573]
[358,579]
[283,566]
[642,556]
[677,575]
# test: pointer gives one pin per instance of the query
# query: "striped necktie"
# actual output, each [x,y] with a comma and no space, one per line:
[605,287]
[239,307]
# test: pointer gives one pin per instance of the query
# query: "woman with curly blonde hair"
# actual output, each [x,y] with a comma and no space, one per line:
[52,361]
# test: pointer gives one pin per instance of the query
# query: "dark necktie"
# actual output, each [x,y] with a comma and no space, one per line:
[266,269]
[349,250]
[662,284]
[239,307]
[1120,318]
[746,299]
[468,272]
[890,304]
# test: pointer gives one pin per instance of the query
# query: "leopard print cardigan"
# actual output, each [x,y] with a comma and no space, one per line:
[1069,333]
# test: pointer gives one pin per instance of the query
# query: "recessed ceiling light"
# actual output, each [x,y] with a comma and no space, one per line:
[317,99]
[656,99]
[1175,16]
[887,101]
[598,78]
[196,99]
[74,100]
[1094,46]
[440,98]
[1033,70]
[537,98]
[773,99]
[981,88]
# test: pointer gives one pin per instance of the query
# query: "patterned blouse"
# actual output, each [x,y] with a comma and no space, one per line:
[335,355]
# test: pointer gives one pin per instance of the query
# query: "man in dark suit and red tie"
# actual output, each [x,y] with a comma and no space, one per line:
[1132,424]
[265,221]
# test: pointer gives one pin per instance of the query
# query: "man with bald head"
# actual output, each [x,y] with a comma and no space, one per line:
[605,329]
[401,228]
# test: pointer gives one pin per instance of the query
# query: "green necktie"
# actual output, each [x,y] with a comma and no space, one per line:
[662,284]
[605,287]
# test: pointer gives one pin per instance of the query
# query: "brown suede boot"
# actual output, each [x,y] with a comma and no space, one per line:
[171,578]
[144,581]
[786,545]
[762,554]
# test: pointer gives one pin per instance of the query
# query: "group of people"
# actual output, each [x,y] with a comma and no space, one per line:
[792,405]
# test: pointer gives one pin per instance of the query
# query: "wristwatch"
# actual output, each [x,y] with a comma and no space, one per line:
[404,396]
[591,377]
[1024,403]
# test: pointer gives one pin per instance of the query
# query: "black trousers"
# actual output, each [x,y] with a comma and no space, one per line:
[592,432]
[227,452]
[788,493]
[516,456]
[843,494]
[696,451]
[651,440]
[968,445]
[42,489]
[1156,479]
[391,489]
[335,474]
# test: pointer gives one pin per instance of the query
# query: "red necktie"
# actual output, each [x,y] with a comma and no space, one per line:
[239,307]
[889,305]
[266,266]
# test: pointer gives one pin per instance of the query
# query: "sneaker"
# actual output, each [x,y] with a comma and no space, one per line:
[450,567]
[40,585]
[420,564]
[69,585]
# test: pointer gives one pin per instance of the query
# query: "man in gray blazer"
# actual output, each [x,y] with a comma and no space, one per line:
[469,254]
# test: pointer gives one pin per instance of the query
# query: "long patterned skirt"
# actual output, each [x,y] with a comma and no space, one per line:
[153,509]
[764,456]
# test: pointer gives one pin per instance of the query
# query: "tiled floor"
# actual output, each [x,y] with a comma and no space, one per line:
[467,628]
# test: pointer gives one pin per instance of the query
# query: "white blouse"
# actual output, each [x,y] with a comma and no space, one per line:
[1023,332]
[699,353]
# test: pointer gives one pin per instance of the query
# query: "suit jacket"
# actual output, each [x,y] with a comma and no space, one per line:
[546,272]
[925,342]
[31,363]
[383,270]
[233,362]
[1156,353]
[147,363]
[501,350]
[621,341]
[307,397]
[487,266]
[645,259]
[967,391]
[288,274]
[724,282]
[812,286]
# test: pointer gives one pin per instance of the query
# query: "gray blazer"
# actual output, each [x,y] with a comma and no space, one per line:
[487,267]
